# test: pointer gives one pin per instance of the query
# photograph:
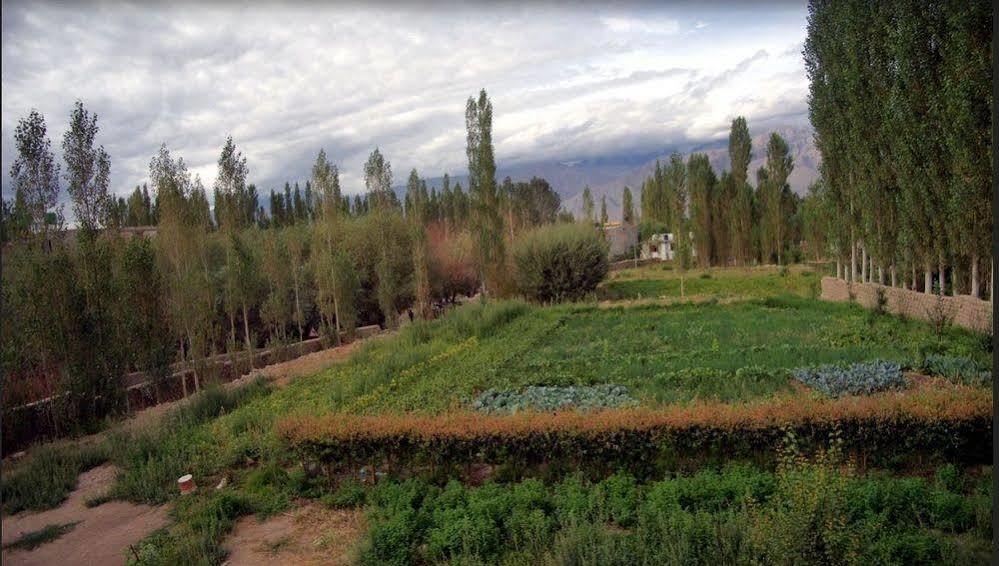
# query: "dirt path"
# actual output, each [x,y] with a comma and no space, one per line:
[101,534]
[309,534]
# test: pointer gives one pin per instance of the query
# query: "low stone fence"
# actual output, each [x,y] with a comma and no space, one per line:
[630,263]
[33,421]
[963,310]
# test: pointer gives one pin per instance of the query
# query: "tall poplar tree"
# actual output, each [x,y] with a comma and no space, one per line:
[627,207]
[487,222]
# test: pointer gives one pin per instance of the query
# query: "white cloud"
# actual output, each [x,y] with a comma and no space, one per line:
[285,81]
[634,25]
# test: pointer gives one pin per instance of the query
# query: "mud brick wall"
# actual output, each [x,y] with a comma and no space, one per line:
[964,310]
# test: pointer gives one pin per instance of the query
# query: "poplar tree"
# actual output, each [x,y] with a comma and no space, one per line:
[34,175]
[88,170]
[675,178]
[487,223]
[779,165]
[627,207]
[740,146]
[700,185]
[588,205]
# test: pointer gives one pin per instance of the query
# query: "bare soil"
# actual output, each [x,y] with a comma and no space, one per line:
[102,534]
[309,534]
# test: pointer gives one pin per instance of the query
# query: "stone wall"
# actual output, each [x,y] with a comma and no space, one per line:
[963,310]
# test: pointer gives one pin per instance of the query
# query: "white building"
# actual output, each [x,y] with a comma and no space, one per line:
[662,247]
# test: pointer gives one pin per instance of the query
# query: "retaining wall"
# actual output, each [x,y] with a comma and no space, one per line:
[963,310]
[35,421]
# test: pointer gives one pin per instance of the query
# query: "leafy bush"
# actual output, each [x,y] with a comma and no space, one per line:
[958,369]
[862,378]
[560,262]
[552,398]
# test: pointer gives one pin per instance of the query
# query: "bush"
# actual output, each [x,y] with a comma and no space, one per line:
[560,262]
[548,398]
[862,378]
[918,429]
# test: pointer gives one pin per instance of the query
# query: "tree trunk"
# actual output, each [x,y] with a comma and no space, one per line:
[853,261]
[839,269]
[975,291]
[894,276]
[246,334]
[928,280]
[183,374]
[943,279]
[863,264]
[336,308]
[232,325]
[197,382]
[298,312]
[881,275]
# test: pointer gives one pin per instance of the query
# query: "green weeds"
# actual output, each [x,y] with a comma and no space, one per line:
[48,474]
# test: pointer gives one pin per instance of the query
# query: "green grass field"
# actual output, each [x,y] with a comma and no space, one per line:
[664,354]
[660,280]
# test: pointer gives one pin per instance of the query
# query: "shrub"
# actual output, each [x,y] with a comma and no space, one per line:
[551,398]
[920,427]
[862,378]
[560,262]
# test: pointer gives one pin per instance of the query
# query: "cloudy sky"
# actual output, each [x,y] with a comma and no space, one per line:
[284,81]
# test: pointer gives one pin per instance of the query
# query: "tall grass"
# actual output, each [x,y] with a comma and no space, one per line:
[48,475]
[151,459]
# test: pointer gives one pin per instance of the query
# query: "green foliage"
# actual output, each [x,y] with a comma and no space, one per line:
[806,512]
[152,459]
[203,520]
[560,262]
[654,282]
[47,475]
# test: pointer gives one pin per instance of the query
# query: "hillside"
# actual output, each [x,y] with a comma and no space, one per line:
[806,168]
[608,176]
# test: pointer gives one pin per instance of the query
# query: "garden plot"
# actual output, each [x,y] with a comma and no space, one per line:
[736,352]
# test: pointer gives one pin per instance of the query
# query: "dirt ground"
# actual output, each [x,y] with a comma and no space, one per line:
[309,534]
[101,535]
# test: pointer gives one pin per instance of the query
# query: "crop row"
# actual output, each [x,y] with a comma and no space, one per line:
[892,430]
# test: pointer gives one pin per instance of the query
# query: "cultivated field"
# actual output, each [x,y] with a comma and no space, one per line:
[699,443]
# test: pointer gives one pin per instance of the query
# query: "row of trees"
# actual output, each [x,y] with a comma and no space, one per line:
[900,98]
[724,220]
[81,311]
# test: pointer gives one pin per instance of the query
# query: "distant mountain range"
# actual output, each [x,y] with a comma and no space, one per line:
[608,176]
